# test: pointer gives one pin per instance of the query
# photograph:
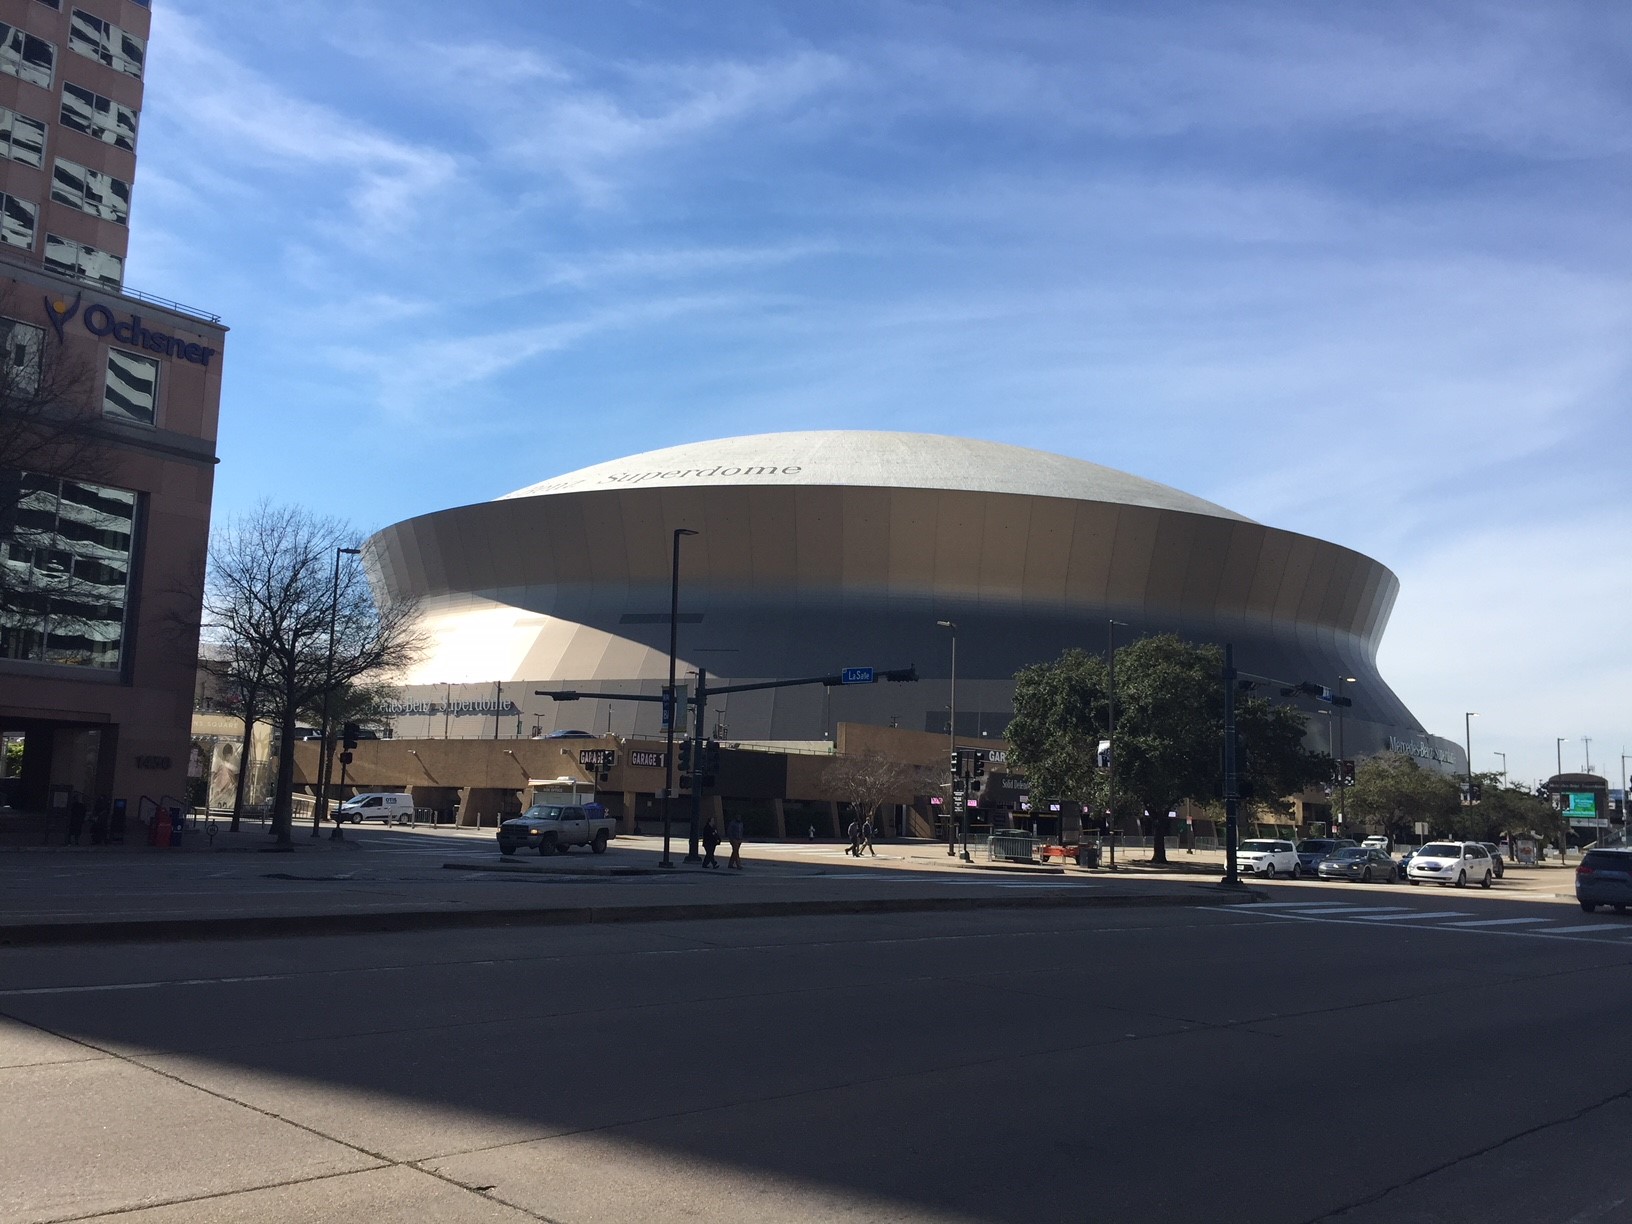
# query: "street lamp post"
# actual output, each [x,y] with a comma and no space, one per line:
[1503,755]
[325,752]
[952,741]
[671,705]
[1342,785]
[1467,744]
[1559,748]
[1110,735]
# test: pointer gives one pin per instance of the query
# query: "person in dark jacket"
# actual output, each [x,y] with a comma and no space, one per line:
[711,839]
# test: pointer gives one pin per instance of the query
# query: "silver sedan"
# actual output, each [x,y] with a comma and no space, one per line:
[1361,863]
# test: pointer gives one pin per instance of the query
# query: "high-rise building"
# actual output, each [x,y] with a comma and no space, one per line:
[109,400]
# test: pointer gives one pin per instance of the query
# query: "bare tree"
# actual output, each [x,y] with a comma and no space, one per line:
[270,589]
[868,780]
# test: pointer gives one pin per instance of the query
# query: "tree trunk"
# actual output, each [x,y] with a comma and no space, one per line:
[282,792]
[1158,838]
[244,759]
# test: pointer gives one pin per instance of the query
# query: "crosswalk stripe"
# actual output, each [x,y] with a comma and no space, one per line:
[1345,909]
[1595,926]
[1490,922]
[1418,916]
[1292,905]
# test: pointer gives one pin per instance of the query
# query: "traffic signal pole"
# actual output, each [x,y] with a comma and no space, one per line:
[699,703]
[1232,877]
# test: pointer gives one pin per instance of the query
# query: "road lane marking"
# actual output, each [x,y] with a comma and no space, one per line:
[1493,922]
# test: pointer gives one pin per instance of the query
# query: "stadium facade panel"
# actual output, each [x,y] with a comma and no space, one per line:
[817,551]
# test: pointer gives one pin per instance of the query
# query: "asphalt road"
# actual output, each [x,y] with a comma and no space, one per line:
[1337,1054]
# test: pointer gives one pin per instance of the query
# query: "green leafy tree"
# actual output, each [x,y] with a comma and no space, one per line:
[1060,711]
[1504,810]
[1391,792]
[1169,731]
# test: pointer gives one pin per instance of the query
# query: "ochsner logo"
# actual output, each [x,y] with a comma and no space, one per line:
[101,321]
[61,313]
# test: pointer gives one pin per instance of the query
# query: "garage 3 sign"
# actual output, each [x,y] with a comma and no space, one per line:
[100,321]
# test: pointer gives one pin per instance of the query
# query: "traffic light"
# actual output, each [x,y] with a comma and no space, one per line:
[349,735]
[957,763]
[980,763]
[685,756]
[1345,772]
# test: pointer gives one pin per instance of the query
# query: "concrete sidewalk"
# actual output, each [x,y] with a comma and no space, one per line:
[397,880]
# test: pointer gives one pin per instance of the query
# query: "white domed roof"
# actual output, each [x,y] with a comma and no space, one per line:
[875,459]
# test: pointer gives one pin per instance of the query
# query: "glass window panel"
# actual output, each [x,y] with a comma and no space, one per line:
[99,117]
[104,41]
[25,56]
[57,4]
[76,259]
[21,138]
[90,191]
[23,344]
[67,559]
[17,219]
[132,388]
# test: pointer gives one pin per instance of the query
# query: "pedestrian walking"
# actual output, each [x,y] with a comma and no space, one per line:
[711,839]
[867,838]
[733,834]
[855,839]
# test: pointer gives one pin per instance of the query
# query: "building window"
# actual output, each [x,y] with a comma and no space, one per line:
[85,262]
[65,558]
[17,219]
[90,191]
[98,117]
[21,138]
[132,391]
[57,4]
[104,41]
[25,56]
[21,348]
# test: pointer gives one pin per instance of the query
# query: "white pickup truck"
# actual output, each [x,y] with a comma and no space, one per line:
[554,827]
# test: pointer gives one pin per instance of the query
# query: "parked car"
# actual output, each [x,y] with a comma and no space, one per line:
[1604,877]
[1404,860]
[1312,849]
[1267,857]
[1378,842]
[1361,863]
[1457,863]
[1495,852]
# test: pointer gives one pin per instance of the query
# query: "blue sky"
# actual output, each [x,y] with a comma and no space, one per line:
[1359,272]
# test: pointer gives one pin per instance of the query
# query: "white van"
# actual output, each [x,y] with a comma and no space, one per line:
[379,805]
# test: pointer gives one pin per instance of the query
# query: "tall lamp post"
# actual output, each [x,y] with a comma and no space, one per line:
[1342,773]
[671,706]
[1559,748]
[1467,744]
[952,742]
[325,751]
[1110,735]
[1503,755]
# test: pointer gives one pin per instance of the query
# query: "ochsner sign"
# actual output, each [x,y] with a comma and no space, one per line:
[99,320]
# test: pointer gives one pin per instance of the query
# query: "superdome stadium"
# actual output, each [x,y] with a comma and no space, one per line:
[824,550]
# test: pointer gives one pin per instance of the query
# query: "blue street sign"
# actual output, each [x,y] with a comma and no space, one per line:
[858,675]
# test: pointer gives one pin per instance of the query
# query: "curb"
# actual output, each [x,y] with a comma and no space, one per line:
[281,925]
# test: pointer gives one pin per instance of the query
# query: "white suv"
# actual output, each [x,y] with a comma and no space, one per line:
[1264,856]
[1458,863]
